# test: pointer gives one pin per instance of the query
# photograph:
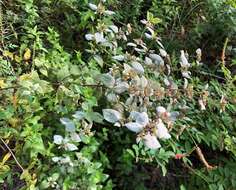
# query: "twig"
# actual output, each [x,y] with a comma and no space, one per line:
[202,159]
[210,74]
[12,154]
[223,51]
[8,88]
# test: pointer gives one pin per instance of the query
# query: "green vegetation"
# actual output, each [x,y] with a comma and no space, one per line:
[130,95]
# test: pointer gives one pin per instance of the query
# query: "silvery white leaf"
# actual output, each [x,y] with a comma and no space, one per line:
[107,80]
[114,28]
[183,60]
[163,52]
[143,82]
[148,36]
[140,50]
[56,159]
[57,139]
[185,83]
[160,110]
[135,127]
[65,160]
[144,21]
[138,139]
[186,74]
[151,142]
[151,30]
[75,137]
[111,115]
[148,61]
[127,68]
[111,97]
[199,52]
[118,57]
[166,82]
[162,132]
[93,7]
[157,59]
[143,45]
[109,13]
[124,37]
[107,44]
[168,69]
[79,115]
[117,124]
[99,60]
[70,147]
[141,118]
[160,44]
[131,44]
[202,105]
[109,30]
[99,37]
[26,93]
[173,116]
[70,126]
[137,67]
[89,37]
[136,81]
[129,101]
[121,87]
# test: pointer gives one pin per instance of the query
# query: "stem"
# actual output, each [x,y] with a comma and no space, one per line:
[202,159]
[8,148]
[223,51]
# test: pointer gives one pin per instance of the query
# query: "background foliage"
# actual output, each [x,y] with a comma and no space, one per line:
[53,93]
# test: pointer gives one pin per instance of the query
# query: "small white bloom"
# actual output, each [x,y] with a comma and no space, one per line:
[89,37]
